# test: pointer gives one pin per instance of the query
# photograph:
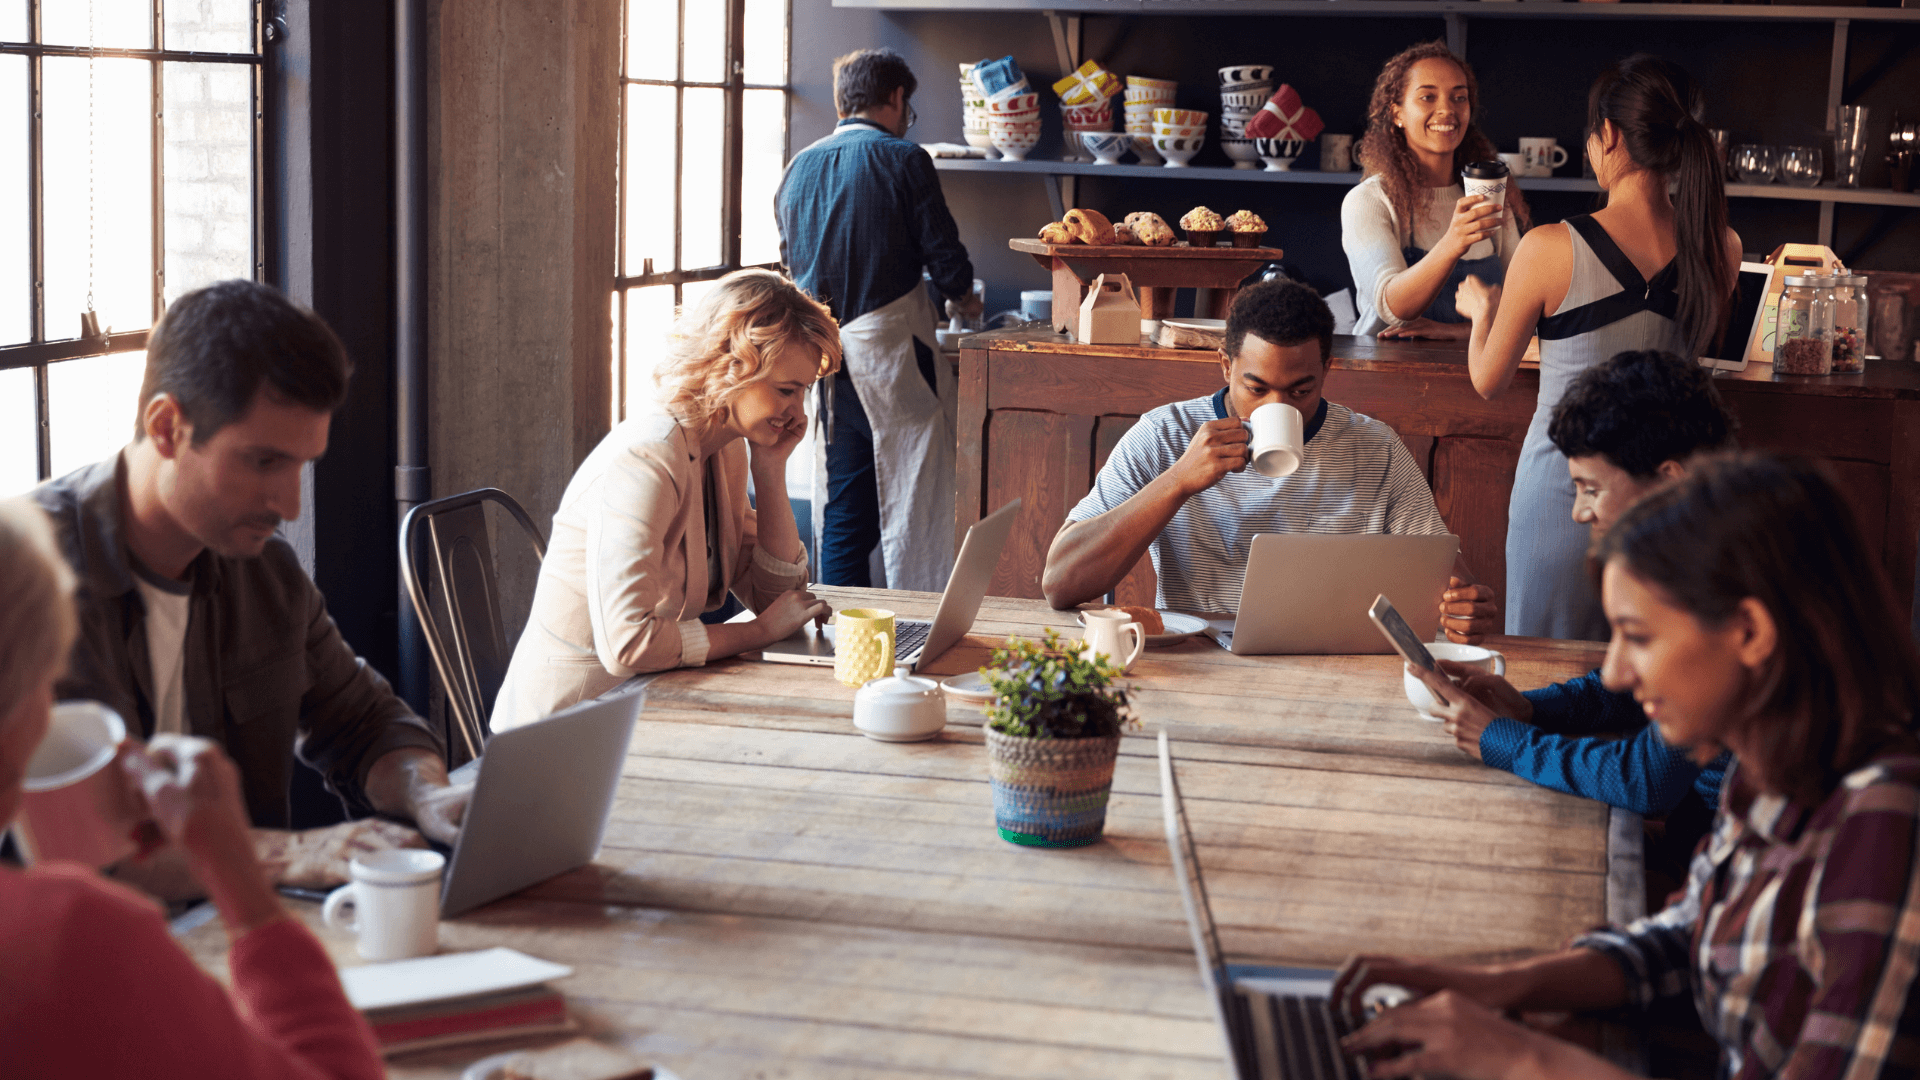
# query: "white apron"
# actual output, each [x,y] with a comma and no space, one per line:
[913,440]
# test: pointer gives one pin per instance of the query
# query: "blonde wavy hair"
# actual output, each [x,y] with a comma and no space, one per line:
[37,621]
[729,339]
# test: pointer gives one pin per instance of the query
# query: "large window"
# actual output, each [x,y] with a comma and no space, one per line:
[129,174]
[703,139]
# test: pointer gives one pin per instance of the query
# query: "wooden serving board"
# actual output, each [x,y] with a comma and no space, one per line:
[1154,271]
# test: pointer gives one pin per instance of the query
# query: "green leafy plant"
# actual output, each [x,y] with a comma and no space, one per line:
[1047,690]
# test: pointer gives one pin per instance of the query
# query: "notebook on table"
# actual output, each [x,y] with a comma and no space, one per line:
[1277,1021]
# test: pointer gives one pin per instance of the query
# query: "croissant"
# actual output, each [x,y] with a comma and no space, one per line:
[1053,232]
[1090,227]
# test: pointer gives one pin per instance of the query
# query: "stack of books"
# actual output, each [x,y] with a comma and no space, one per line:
[458,998]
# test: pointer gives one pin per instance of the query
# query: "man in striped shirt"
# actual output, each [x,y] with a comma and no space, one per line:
[1177,484]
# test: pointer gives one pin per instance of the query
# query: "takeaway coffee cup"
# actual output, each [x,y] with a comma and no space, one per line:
[75,805]
[1277,436]
[1487,179]
[394,899]
[1486,660]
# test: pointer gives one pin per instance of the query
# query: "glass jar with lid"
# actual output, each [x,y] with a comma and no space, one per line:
[1849,323]
[1803,334]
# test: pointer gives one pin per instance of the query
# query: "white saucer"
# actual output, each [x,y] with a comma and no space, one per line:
[971,688]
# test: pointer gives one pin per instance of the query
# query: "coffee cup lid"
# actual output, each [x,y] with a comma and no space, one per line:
[1485,170]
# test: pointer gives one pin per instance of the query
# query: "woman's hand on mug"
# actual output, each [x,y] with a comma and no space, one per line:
[790,612]
[1475,218]
[1476,299]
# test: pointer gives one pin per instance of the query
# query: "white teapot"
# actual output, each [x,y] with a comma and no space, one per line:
[899,708]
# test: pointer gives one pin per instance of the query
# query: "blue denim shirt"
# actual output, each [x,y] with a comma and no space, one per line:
[860,213]
[1639,773]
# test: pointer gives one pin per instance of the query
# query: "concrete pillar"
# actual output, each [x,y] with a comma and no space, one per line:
[524,134]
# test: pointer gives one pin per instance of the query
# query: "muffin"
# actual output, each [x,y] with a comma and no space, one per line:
[1203,226]
[1247,229]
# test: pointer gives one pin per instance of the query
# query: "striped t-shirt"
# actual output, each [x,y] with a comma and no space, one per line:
[1355,477]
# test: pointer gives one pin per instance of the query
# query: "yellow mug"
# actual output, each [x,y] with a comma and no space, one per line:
[862,644]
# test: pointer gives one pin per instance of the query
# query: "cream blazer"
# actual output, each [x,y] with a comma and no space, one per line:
[625,578]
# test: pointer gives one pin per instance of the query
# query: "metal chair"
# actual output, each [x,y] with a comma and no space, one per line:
[463,631]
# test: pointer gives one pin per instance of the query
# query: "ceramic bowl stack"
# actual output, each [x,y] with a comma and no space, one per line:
[1279,154]
[1078,120]
[1178,134]
[973,111]
[1142,97]
[1244,88]
[1086,105]
[1013,124]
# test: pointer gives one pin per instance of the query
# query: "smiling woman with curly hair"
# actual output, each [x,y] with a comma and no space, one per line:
[1410,234]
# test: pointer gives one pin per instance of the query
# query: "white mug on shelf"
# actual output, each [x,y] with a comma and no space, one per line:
[1516,164]
[1543,156]
[1106,629]
[395,897]
[1336,153]
[1486,660]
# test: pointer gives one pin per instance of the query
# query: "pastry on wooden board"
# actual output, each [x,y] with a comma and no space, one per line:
[1054,232]
[1124,235]
[576,1059]
[1090,227]
[1151,228]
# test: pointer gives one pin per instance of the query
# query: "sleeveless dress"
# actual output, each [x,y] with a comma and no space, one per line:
[1609,309]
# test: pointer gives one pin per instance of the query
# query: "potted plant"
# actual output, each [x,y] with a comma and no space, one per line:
[1053,733]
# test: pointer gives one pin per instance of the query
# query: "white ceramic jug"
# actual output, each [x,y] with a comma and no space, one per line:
[1107,628]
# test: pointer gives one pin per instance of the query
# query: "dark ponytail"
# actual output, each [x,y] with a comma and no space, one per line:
[1656,106]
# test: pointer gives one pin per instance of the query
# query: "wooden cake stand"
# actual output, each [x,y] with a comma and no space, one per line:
[1154,271]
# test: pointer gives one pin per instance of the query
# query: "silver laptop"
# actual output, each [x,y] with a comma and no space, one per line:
[915,640]
[1310,594]
[541,801]
[1277,1021]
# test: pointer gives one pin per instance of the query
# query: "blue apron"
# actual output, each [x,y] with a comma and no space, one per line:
[1441,310]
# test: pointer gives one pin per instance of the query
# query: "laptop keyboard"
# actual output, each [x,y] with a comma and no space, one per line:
[908,636]
[1294,1037]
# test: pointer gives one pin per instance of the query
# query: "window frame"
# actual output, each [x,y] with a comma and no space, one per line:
[39,351]
[735,88]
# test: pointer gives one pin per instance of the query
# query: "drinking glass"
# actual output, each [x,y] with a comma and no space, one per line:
[1849,145]
[1800,166]
[1755,164]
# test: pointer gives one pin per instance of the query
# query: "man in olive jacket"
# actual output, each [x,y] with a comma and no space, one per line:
[194,616]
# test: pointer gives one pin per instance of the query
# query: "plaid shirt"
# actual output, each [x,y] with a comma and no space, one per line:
[1799,933]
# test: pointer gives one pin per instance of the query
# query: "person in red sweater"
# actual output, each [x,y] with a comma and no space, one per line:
[93,983]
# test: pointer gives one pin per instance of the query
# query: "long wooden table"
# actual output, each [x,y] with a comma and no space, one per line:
[780,896]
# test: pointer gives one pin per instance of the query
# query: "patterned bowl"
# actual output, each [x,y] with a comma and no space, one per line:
[1241,151]
[1180,117]
[1243,76]
[1177,151]
[1279,154]
[1105,146]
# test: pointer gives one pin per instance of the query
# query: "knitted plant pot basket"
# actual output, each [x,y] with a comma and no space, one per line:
[1050,792]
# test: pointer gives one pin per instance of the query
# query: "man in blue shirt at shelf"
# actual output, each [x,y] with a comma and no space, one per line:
[1627,426]
[860,213]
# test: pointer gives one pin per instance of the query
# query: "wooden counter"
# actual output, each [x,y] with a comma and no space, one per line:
[1039,414]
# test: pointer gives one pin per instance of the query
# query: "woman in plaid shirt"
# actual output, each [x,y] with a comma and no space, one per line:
[1747,616]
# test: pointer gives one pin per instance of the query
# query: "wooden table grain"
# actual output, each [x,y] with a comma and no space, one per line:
[779,896]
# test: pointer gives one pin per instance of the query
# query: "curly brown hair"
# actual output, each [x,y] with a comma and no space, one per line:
[1384,150]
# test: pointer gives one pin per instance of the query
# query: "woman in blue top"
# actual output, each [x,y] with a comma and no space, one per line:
[1410,233]
[1650,271]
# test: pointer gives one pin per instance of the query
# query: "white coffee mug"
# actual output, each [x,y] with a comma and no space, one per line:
[1543,156]
[395,902]
[1486,660]
[1278,434]
[1336,153]
[1516,164]
[1106,630]
[75,804]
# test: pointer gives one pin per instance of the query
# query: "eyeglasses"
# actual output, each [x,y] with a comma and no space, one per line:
[911,116]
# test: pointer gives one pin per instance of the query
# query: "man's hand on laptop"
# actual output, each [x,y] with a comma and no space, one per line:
[1468,613]
[1218,448]
[412,783]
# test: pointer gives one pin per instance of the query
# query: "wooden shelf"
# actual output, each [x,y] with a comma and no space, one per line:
[1531,9]
[1865,196]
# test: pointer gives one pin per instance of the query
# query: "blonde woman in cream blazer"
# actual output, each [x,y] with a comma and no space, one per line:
[654,529]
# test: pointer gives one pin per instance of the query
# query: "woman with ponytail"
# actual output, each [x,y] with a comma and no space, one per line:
[1410,232]
[1650,271]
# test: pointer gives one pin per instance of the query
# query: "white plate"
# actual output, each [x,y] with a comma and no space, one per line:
[1210,326]
[971,688]
[494,1067]
[1180,627]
